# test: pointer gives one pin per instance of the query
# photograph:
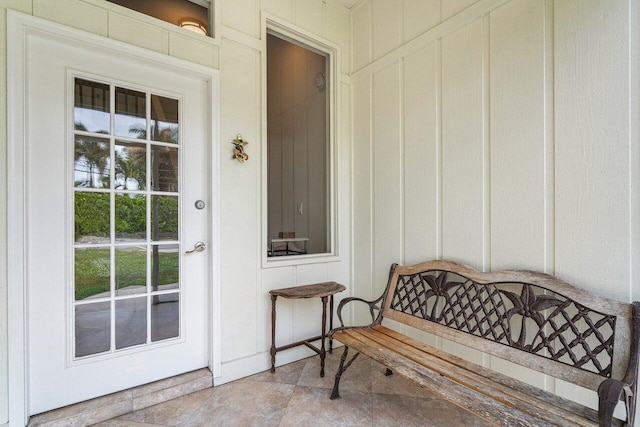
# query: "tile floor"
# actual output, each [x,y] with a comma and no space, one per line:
[297,396]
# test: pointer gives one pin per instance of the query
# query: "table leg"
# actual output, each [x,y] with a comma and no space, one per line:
[323,352]
[273,333]
[331,323]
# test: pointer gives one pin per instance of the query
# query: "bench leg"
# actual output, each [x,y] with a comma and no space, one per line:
[335,394]
[388,372]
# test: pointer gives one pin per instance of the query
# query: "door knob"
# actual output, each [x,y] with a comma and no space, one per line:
[198,247]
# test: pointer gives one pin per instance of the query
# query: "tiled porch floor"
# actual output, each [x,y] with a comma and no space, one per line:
[297,396]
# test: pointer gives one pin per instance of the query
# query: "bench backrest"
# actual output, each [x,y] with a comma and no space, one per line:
[529,318]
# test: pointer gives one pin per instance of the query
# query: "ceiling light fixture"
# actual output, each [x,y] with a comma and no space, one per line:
[194,25]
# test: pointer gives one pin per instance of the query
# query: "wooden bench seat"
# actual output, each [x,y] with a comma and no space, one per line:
[528,318]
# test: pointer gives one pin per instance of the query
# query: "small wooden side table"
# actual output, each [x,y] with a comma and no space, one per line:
[316,290]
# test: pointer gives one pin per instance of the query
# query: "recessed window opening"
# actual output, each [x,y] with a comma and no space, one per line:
[298,149]
[192,15]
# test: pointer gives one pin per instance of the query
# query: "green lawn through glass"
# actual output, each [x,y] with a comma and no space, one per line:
[92,271]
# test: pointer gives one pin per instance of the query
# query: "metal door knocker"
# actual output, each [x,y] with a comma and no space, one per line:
[238,150]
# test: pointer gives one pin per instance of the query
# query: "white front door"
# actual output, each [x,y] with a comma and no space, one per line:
[117,162]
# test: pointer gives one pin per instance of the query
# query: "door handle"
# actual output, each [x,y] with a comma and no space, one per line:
[198,247]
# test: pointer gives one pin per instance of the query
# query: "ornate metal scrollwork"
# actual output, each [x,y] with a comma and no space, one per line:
[519,315]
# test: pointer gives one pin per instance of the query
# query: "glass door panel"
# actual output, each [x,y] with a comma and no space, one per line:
[131,113]
[126,228]
[131,166]
[92,106]
[164,119]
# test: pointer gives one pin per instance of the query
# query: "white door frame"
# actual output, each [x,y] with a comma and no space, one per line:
[19,28]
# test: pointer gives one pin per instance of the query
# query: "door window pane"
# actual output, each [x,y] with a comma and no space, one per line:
[131,322]
[131,113]
[93,328]
[131,270]
[164,119]
[92,162]
[164,218]
[125,233]
[165,316]
[164,168]
[91,211]
[131,217]
[92,273]
[131,166]
[165,267]
[91,106]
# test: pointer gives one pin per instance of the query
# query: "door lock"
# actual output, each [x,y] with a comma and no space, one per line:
[198,247]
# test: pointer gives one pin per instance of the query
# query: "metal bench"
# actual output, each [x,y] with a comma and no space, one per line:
[529,318]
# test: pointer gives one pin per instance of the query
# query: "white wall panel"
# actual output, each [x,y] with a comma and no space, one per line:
[362,195]
[239,92]
[136,32]
[337,21]
[420,155]
[592,149]
[387,180]
[280,8]
[462,145]
[517,146]
[517,135]
[419,16]
[193,50]
[310,15]
[592,144]
[241,15]
[532,114]
[451,7]
[361,36]
[386,25]
[74,14]
[343,196]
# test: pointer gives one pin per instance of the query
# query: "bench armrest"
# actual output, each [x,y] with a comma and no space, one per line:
[610,392]
[373,307]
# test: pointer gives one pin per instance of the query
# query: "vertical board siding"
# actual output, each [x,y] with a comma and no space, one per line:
[361,36]
[517,135]
[310,15]
[74,14]
[419,16]
[592,151]
[362,196]
[241,15]
[386,25]
[280,8]
[517,113]
[337,29]
[592,165]
[530,103]
[420,156]
[462,146]
[387,199]
[452,7]
[238,96]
